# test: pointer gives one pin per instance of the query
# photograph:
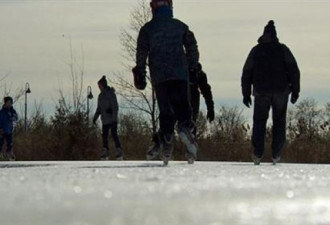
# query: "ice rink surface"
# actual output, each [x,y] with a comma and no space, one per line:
[145,193]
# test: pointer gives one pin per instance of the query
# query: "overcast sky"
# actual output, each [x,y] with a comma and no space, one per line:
[34,41]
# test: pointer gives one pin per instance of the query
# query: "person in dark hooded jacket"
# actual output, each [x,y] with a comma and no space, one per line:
[107,107]
[170,50]
[8,116]
[272,71]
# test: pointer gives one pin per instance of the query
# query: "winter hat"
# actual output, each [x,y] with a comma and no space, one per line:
[270,28]
[8,98]
[103,82]
[158,3]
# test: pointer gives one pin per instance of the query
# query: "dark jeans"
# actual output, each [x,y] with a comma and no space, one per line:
[262,105]
[174,105]
[9,140]
[114,134]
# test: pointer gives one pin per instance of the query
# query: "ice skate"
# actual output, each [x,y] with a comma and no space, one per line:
[276,160]
[11,156]
[119,154]
[105,155]
[167,146]
[191,144]
[256,160]
[153,153]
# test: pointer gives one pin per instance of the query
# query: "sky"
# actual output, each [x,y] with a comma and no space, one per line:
[35,40]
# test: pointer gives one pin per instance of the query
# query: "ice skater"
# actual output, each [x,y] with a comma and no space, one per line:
[107,107]
[8,116]
[273,72]
[171,50]
[198,85]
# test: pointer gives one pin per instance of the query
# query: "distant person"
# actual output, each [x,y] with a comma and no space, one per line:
[198,86]
[171,50]
[272,71]
[107,107]
[8,116]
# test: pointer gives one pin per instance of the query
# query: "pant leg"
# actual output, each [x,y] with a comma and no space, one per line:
[114,134]
[2,141]
[279,106]
[180,101]
[9,140]
[105,136]
[166,114]
[195,105]
[260,116]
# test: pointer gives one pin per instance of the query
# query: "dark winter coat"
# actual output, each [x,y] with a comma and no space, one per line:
[107,107]
[198,87]
[7,119]
[270,68]
[169,46]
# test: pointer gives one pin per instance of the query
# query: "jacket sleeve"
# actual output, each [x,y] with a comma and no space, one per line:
[14,116]
[247,76]
[190,44]
[98,110]
[293,70]
[142,50]
[114,103]
[206,91]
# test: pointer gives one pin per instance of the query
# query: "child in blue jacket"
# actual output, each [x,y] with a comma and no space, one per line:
[8,116]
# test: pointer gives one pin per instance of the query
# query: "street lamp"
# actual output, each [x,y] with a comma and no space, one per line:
[27,91]
[89,97]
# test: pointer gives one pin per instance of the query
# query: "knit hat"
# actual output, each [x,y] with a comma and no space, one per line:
[103,82]
[270,29]
[155,4]
[8,98]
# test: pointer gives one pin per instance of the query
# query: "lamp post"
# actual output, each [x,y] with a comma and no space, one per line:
[27,91]
[89,97]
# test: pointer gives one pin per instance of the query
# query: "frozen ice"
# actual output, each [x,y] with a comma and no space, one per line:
[146,193]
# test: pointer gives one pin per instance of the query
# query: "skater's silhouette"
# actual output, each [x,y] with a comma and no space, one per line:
[171,50]
[272,71]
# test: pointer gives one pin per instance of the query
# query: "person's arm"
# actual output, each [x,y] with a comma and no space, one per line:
[98,111]
[206,91]
[247,76]
[14,116]
[293,70]
[192,53]
[142,50]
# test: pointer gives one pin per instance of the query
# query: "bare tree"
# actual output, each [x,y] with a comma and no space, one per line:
[134,99]
[76,75]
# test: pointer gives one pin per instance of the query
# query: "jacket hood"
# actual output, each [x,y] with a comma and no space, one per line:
[165,11]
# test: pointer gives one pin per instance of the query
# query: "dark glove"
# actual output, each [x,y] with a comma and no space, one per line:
[109,111]
[247,101]
[294,97]
[210,115]
[140,81]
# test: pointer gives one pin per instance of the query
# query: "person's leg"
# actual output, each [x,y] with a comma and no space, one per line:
[166,119]
[195,104]
[154,150]
[166,114]
[114,134]
[279,106]
[9,141]
[10,154]
[180,101]
[105,140]
[260,116]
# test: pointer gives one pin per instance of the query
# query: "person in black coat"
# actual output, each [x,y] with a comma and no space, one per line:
[272,71]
